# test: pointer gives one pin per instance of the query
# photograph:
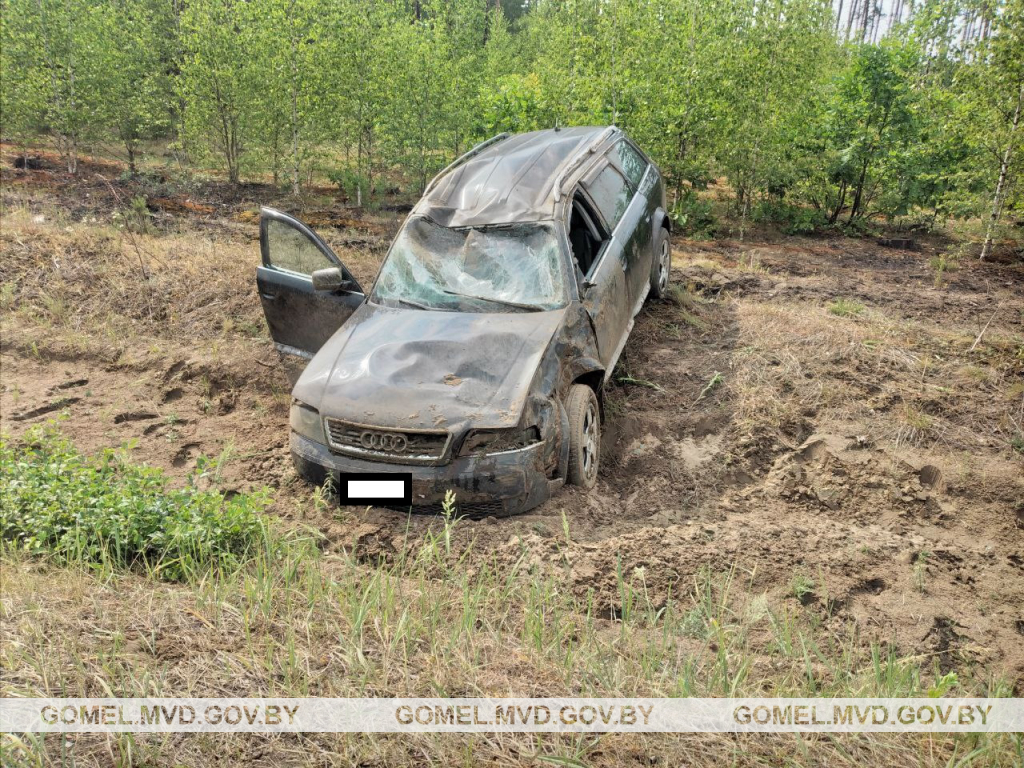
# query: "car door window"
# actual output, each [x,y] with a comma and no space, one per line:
[611,194]
[584,237]
[631,162]
[293,250]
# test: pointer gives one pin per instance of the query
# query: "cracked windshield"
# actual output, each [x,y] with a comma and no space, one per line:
[510,268]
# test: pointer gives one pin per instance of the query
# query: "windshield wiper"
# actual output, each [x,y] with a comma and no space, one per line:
[411,303]
[506,302]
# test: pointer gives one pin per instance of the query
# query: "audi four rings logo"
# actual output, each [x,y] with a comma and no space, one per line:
[383,441]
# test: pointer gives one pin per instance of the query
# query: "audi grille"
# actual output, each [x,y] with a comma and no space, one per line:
[399,446]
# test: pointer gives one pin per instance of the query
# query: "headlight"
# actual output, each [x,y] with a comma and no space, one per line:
[481,441]
[306,421]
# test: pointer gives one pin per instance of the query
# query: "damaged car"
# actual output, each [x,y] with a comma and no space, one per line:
[477,359]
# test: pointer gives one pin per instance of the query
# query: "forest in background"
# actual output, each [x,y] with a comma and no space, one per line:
[814,113]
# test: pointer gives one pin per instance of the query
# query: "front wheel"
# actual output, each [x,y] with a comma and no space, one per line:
[584,435]
[662,265]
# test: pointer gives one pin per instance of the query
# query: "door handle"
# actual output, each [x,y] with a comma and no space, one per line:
[268,296]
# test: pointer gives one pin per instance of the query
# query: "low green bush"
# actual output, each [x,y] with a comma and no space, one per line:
[791,219]
[694,216]
[349,182]
[105,511]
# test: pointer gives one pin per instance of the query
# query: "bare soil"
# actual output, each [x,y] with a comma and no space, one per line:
[876,456]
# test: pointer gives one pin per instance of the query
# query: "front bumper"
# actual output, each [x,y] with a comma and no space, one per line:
[499,483]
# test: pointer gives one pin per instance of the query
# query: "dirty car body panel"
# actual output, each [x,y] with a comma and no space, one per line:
[516,276]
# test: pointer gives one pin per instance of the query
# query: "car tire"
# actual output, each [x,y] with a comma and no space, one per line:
[584,435]
[662,265]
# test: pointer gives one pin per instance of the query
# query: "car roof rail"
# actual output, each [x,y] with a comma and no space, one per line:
[463,158]
[581,156]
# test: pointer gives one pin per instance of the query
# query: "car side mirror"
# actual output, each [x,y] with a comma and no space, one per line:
[330,280]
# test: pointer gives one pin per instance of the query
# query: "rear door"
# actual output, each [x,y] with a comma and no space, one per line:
[608,300]
[636,222]
[300,319]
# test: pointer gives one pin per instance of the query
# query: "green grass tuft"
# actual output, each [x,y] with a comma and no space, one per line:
[845,308]
[105,511]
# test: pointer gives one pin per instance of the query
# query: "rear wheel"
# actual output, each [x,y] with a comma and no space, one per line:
[662,264]
[584,435]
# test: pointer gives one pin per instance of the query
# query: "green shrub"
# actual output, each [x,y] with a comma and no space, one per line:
[104,511]
[694,216]
[860,227]
[349,183]
[135,217]
[791,219]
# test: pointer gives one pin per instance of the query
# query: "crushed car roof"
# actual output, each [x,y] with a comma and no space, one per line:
[510,181]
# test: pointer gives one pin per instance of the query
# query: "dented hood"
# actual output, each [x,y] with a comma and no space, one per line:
[428,369]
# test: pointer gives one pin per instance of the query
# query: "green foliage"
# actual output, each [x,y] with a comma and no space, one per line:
[107,512]
[513,104]
[54,82]
[790,218]
[944,685]
[915,125]
[348,181]
[135,217]
[220,80]
[947,261]
[869,127]
[694,215]
[136,88]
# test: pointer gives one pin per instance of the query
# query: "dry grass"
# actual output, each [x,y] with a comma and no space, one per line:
[427,625]
[105,285]
[911,381]
[90,278]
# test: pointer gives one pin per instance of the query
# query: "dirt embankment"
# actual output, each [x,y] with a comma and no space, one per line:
[817,414]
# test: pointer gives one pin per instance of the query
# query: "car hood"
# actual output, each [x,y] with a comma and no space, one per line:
[420,369]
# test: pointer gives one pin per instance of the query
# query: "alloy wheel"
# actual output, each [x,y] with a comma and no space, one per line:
[663,266]
[591,443]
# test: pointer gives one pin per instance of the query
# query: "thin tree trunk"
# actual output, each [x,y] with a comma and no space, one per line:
[61,138]
[295,111]
[854,7]
[968,29]
[855,208]
[997,200]
[359,157]
[839,203]
[295,145]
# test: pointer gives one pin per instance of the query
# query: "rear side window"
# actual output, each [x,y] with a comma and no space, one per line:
[612,194]
[631,161]
[292,250]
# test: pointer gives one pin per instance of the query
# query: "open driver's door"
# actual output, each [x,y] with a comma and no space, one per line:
[301,318]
